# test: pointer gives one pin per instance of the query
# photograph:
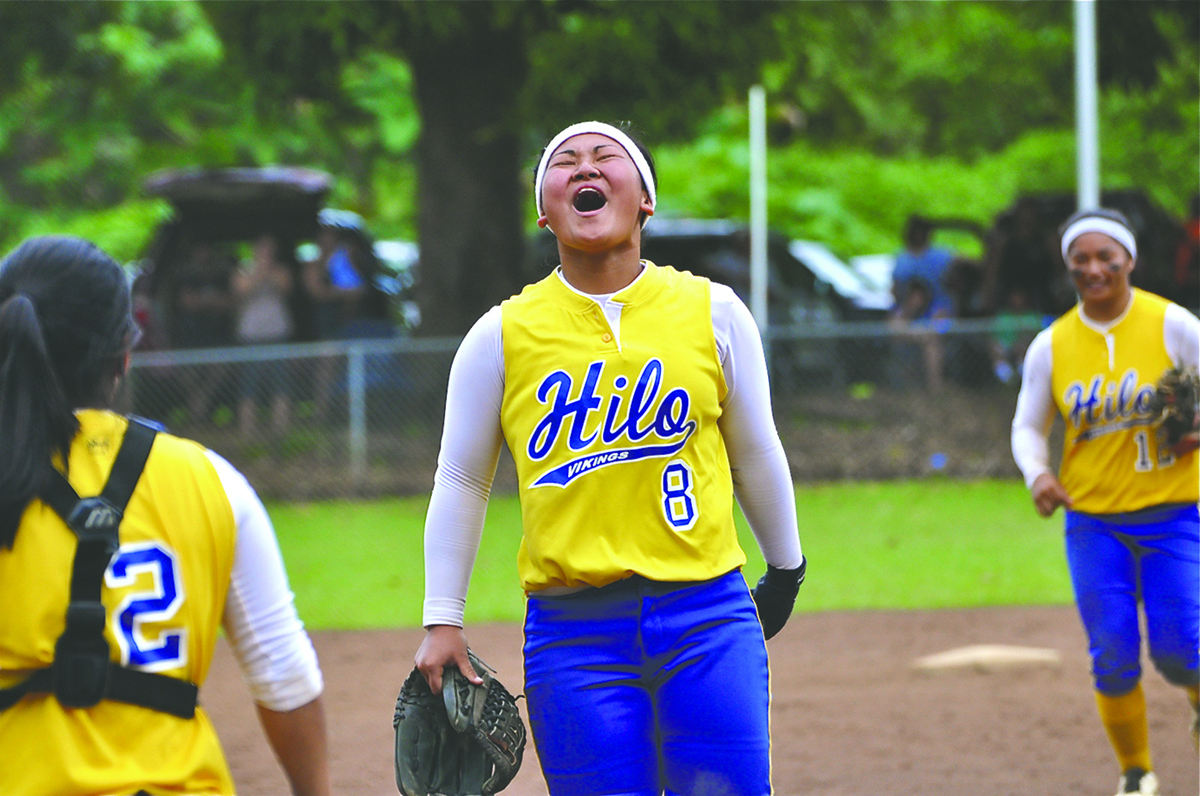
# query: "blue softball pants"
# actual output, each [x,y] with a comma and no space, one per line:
[643,688]
[1117,560]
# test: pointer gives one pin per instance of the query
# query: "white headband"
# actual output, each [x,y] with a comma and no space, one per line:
[600,128]
[1113,229]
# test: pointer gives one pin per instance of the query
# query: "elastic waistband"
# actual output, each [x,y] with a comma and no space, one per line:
[632,583]
[1163,512]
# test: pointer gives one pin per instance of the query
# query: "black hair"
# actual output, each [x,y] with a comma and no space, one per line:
[636,137]
[917,231]
[65,328]
[628,129]
[1097,212]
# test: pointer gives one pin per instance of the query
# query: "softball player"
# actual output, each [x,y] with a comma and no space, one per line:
[1131,506]
[112,604]
[634,400]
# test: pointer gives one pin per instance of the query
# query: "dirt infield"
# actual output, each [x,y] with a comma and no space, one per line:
[852,715]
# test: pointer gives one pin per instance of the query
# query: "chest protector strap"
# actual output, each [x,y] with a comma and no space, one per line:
[82,673]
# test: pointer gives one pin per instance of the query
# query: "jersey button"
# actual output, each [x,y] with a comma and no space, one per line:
[606,337]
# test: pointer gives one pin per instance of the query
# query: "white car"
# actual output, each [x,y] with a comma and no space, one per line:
[849,283]
[876,269]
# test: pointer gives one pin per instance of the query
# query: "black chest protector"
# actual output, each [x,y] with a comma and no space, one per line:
[82,673]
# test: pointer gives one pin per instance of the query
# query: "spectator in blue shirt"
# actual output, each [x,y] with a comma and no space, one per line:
[921,299]
[922,261]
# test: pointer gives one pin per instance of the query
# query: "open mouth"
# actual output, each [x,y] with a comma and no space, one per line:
[589,199]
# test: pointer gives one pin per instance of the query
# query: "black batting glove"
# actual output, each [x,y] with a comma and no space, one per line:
[775,596]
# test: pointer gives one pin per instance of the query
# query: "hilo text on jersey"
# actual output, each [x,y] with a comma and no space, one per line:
[1107,401]
[653,425]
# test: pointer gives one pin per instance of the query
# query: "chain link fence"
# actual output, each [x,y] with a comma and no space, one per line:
[363,418]
[306,421]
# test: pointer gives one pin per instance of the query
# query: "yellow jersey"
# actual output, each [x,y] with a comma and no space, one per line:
[1102,384]
[164,594]
[621,466]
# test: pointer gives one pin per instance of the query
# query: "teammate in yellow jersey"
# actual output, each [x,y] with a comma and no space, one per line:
[1132,530]
[635,402]
[123,551]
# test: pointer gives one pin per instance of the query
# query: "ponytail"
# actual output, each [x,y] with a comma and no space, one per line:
[34,416]
[65,327]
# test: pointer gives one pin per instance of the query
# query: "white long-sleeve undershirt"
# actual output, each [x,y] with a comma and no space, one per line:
[1035,403]
[472,437]
[266,635]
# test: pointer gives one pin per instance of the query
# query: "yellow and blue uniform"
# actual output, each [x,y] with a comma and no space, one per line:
[164,594]
[1133,531]
[589,417]
[629,552]
[1103,385]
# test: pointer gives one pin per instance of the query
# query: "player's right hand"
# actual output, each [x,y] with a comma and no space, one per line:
[444,645]
[1048,494]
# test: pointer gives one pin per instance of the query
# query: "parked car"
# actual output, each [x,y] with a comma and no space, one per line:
[864,295]
[215,215]
[399,260]
[808,287]
[876,270]
[806,284]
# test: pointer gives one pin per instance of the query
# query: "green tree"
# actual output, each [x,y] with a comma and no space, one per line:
[950,109]
[99,95]
[431,114]
[491,80]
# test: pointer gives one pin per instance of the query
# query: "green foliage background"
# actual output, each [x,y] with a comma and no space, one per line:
[917,544]
[878,110]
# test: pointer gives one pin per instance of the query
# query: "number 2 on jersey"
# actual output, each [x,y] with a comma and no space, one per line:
[159,602]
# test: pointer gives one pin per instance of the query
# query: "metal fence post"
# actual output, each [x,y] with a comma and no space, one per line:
[356,376]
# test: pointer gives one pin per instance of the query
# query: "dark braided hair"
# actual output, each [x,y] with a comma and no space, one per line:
[65,329]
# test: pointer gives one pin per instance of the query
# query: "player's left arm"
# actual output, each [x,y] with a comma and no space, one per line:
[762,480]
[1181,335]
[298,738]
[270,645]
[265,633]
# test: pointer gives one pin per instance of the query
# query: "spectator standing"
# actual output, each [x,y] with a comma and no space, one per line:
[331,279]
[204,319]
[340,280]
[923,302]
[263,287]
[917,346]
[921,260]
[1014,328]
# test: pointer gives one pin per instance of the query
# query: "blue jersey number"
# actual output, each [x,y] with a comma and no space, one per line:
[158,601]
[679,504]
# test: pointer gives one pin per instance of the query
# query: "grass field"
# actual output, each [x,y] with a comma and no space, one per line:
[912,544]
